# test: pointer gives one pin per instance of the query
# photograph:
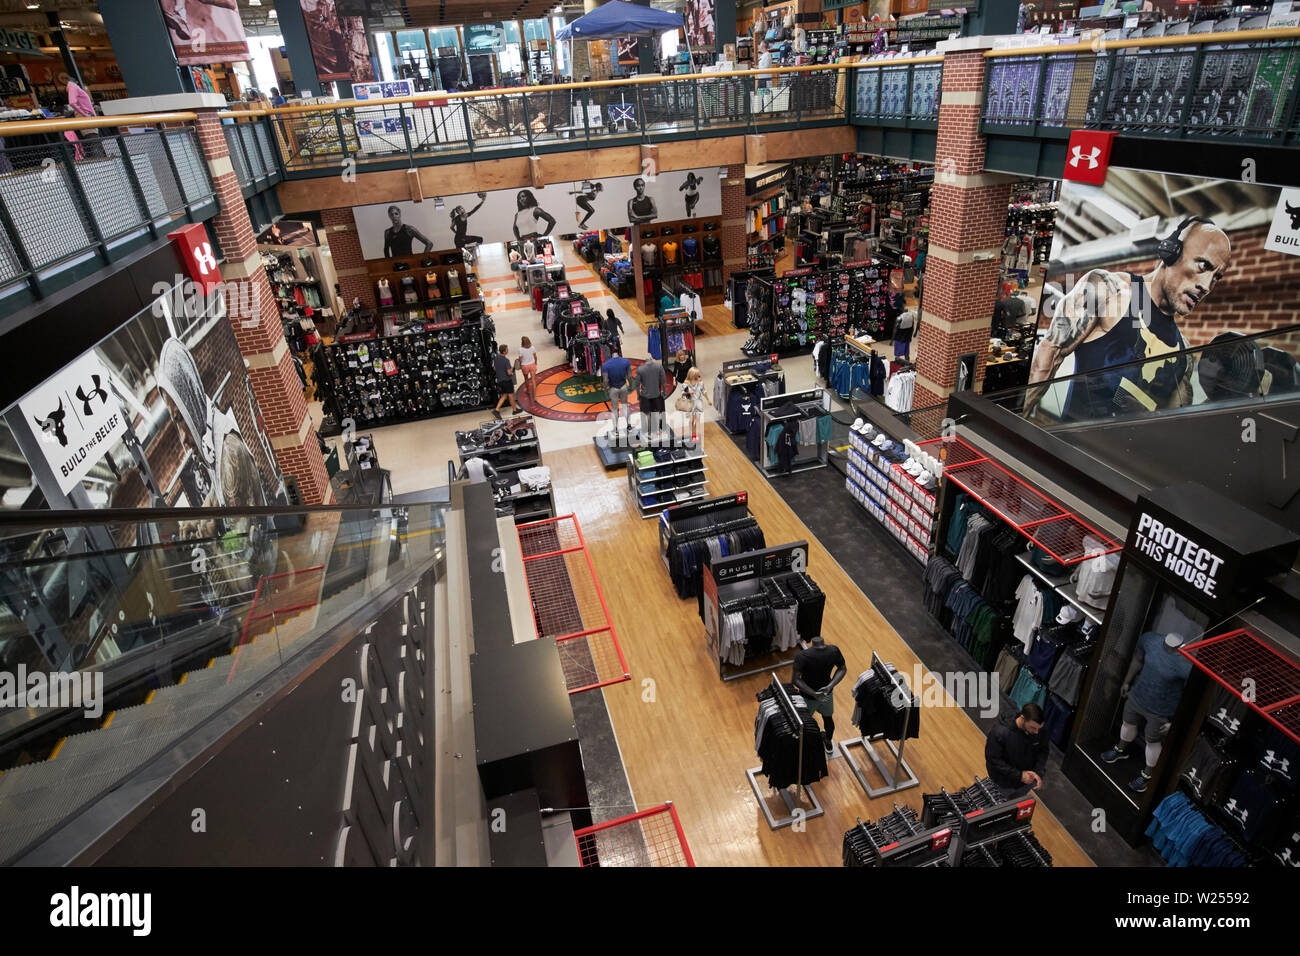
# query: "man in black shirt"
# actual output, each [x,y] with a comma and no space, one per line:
[813,668]
[1016,754]
[505,374]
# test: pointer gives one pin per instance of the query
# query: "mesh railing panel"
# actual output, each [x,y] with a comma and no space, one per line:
[1254,672]
[236,154]
[10,267]
[265,147]
[153,170]
[110,196]
[652,838]
[48,216]
[189,165]
[256,164]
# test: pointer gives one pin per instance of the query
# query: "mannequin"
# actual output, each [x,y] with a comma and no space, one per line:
[1151,691]
[817,669]
[800,40]
[385,293]
[453,283]
[431,284]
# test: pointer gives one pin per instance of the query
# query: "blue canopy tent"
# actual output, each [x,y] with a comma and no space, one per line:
[616,18]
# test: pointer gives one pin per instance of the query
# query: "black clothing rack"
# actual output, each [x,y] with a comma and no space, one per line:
[902,777]
[697,521]
[792,804]
[897,839]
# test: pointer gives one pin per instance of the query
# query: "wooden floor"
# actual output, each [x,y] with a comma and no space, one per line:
[688,737]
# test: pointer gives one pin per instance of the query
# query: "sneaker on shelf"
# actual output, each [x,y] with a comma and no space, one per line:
[1113,755]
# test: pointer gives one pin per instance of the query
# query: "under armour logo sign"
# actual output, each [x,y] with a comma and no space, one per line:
[204,258]
[1239,813]
[1091,157]
[1294,213]
[53,424]
[95,391]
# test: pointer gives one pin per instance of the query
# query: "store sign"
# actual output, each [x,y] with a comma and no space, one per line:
[1088,156]
[1284,233]
[194,251]
[78,418]
[1208,546]
[19,41]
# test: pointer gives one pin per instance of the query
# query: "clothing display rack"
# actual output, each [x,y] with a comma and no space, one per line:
[796,431]
[738,282]
[674,331]
[774,605]
[897,839]
[987,830]
[739,385]
[883,685]
[439,368]
[663,477]
[798,725]
[692,535]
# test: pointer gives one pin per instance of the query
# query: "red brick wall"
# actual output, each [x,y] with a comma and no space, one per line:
[277,388]
[733,222]
[345,249]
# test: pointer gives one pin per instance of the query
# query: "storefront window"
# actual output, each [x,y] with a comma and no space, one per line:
[387,58]
[413,54]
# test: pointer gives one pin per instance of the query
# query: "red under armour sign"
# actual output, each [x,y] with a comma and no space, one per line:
[1088,156]
[194,250]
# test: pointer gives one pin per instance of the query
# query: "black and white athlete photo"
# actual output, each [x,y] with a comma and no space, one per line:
[531,220]
[399,237]
[586,195]
[691,187]
[460,224]
[641,208]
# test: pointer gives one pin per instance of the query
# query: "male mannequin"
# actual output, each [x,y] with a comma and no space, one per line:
[813,677]
[1152,689]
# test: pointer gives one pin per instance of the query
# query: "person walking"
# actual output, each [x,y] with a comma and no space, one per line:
[528,365]
[505,380]
[696,394]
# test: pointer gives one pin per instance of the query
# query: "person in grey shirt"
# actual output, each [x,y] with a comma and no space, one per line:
[651,389]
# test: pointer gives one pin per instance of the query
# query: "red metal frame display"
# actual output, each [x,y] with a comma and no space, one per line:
[1058,532]
[568,604]
[1238,657]
[652,837]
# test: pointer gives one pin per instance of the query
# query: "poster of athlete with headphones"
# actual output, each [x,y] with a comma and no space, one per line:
[1139,281]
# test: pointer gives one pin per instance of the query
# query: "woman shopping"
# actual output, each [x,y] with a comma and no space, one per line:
[691,401]
[528,365]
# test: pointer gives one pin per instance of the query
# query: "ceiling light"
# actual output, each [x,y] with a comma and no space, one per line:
[272,14]
[254,3]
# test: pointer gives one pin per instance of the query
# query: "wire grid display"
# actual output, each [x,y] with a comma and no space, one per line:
[279,595]
[1061,533]
[568,605]
[1240,660]
[650,838]
[952,450]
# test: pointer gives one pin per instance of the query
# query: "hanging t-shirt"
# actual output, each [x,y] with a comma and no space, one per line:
[649,253]
[670,252]
[1029,612]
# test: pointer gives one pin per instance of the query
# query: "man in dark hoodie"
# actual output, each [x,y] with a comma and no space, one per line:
[1016,754]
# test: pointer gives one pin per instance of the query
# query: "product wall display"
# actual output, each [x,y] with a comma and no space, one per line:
[111,428]
[406,228]
[1111,300]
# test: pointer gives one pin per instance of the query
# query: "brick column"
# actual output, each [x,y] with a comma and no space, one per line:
[733,222]
[968,212]
[349,262]
[260,335]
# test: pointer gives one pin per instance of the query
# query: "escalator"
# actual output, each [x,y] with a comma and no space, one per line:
[170,664]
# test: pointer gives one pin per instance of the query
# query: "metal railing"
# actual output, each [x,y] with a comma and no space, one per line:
[70,207]
[254,154]
[1238,86]
[451,127]
[899,93]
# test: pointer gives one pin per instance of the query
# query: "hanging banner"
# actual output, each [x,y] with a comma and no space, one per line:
[360,65]
[330,44]
[484,37]
[406,228]
[205,31]
[701,28]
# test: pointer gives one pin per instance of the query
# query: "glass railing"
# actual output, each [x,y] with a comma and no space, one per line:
[125,633]
[1238,370]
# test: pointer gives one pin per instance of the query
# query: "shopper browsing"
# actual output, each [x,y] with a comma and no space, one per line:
[681,366]
[615,329]
[615,373]
[651,389]
[505,380]
[528,364]
[695,393]
[817,669]
[1016,753]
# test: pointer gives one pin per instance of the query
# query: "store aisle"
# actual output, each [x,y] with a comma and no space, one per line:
[688,736]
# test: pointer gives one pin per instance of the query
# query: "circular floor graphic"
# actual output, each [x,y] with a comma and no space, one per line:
[563,396]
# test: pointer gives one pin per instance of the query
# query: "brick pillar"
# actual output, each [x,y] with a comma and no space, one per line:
[349,263]
[968,212]
[260,335]
[733,222]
